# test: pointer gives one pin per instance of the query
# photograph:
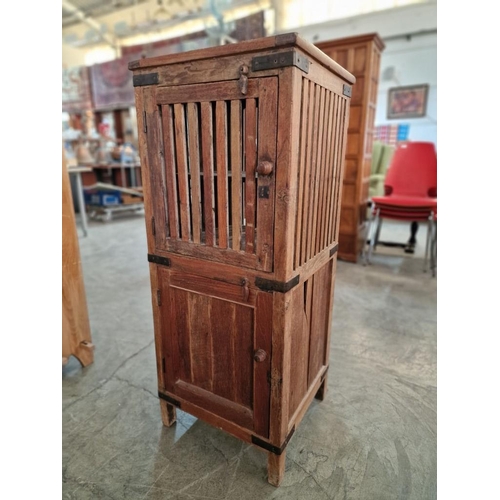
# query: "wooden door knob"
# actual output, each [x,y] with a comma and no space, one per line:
[260,355]
[264,167]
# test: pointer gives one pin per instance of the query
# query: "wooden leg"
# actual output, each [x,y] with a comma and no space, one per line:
[168,414]
[322,391]
[276,468]
[85,353]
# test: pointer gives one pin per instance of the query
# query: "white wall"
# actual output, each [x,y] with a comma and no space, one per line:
[414,62]
[413,57]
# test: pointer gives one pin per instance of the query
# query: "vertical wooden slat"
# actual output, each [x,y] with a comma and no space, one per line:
[200,340]
[167,328]
[170,177]
[324,175]
[302,160]
[268,107]
[236,166]
[328,170]
[338,160]
[182,171]
[151,148]
[319,165]
[222,317]
[343,144]
[319,318]
[180,332]
[207,154]
[250,163]
[221,162]
[194,166]
[307,172]
[243,333]
[263,336]
[333,203]
[312,186]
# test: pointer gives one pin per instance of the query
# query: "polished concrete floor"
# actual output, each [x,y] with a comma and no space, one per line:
[373,438]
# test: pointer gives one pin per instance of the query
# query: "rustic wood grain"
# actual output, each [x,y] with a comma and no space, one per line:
[250,164]
[76,336]
[221,162]
[182,171]
[194,164]
[236,169]
[207,155]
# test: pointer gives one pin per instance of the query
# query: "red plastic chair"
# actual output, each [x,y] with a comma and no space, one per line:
[410,194]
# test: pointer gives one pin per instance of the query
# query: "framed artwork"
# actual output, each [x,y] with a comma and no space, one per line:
[407,102]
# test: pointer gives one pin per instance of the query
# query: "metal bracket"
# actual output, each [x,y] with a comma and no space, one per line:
[156,259]
[170,400]
[276,286]
[347,90]
[263,192]
[334,249]
[280,60]
[271,447]
[146,79]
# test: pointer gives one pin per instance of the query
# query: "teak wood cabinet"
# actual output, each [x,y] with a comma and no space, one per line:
[242,149]
[361,56]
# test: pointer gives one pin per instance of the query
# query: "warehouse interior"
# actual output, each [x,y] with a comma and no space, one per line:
[374,435]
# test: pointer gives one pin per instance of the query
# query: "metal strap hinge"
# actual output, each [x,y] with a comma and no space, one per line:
[280,60]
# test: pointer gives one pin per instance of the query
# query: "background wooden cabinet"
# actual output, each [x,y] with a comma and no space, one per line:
[242,150]
[361,56]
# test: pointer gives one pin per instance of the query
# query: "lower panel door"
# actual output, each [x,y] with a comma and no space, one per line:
[216,338]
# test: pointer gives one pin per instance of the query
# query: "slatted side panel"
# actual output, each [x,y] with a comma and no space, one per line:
[210,157]
[321,153]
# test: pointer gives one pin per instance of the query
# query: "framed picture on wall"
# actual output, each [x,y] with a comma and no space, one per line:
[407,102]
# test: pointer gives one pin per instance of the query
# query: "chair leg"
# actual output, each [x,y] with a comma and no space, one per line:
[433,248]
[428,240]
[373,227]
[377,234]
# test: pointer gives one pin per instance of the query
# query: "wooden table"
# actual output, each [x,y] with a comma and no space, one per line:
[77,171]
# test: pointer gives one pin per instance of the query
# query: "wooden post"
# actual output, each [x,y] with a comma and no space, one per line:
[76,339]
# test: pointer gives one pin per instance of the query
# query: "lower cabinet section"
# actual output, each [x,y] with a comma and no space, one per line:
[246,360]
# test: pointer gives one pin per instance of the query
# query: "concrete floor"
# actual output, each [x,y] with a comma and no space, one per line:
[373,438]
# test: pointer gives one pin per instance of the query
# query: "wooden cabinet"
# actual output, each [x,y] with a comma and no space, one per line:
[361,56]
[242,151]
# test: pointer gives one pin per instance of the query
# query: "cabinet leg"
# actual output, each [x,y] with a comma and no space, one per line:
[322,391]
[276,468]
[168,414]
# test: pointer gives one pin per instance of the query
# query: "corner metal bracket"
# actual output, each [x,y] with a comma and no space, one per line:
[270,447]
[347,90]
[276,286]
[280,60]
[156,259]
[170,400]
[145,79]
[334,249]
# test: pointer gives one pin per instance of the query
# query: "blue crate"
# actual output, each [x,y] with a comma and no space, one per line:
[102,198]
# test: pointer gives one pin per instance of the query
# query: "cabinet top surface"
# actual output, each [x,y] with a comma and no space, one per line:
[366,38]
[257,46]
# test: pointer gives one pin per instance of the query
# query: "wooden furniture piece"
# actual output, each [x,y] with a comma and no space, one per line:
[361,56]
[242,150]
[77,172]
[76,339]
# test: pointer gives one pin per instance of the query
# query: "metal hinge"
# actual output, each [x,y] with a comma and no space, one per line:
[277,450]
[156,259]
[280,60]
[347,90]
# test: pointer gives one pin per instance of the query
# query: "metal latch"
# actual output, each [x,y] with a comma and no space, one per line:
[243,81]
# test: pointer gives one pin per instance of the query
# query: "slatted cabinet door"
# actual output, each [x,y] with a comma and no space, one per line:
[211,164]
[216,346]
